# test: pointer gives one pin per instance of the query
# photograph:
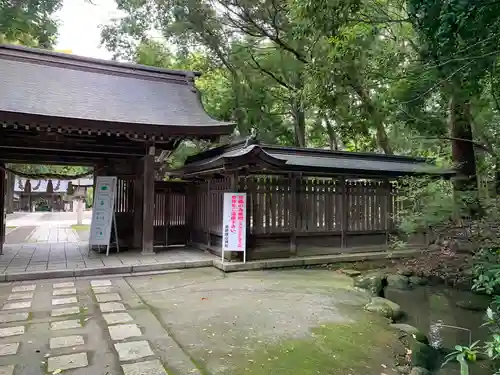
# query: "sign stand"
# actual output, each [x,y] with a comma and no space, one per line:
[234,224]
[103,215]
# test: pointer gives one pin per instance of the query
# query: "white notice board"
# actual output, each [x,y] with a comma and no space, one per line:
[103,211]
[234,224]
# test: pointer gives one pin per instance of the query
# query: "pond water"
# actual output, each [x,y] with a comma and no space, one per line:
[433,311]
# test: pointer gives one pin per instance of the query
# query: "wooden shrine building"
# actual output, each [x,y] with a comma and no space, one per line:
[58,108]
[299,201]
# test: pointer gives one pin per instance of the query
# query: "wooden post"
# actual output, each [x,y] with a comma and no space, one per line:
[388,217]
[208,215]
[148,203]
[345,212]
[138,199]
[294,205]
[2,206]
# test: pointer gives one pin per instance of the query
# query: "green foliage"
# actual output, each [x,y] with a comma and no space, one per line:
[29,22]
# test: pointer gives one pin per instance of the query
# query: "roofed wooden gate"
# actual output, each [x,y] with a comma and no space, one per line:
[170,214]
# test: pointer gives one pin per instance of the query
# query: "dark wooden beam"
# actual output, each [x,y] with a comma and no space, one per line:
[148,203]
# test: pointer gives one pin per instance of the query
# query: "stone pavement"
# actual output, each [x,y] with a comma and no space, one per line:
[96,326]
[55,249]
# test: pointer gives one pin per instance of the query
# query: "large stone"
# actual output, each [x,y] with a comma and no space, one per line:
[66,362]
[17,305]
[129,351]
[100,283]
[15,317]
[24,288]
[111,307]
[65,311]
[12,331]
[417,280]
[405,272]
[9,349]
[65,324]
[7,370]
[419,371]
[63,291]
[411,330]
[473,304]
[65,342]
[116,318]
[351,273]
[398,282]
[144,368]
[124,331]
[69,284]
[64,301]
[373,282]
[21,295]
[107,297]
[385,308]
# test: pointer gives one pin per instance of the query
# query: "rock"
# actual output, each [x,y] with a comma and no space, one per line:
[404,370]
[423,355]
[405,272]
[419,371]
[417,280]
[373,282]
[385,308]
[434,247]
[476,304]
[413,331]
[351,273]
[398,282]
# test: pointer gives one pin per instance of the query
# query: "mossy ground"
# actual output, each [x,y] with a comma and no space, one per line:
[80,227]
[364,347]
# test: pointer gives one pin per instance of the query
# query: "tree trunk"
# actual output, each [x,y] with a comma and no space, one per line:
[332,136]
[462,147]
[299,124]
[374,115]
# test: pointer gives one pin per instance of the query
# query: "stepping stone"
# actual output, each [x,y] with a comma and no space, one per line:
[15,317]
[7,370]
[24,288]
[124,331]
[103,289]
[128,351]
[9,349]
[11,331]
[108,297]
[66,362]
[63,291]
[64,301]
[27,295]
[100,283]
[144,368]
[65,311]
[17,305]
[66,341]
[65,324]
[115,318]
[111,307]
[64,285]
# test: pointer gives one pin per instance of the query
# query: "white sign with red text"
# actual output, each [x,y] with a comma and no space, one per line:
[234,227]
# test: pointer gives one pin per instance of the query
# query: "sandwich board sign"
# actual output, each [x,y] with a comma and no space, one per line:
[103,213]
[234,223]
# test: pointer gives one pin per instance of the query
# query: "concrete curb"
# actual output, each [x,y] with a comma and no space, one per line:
[101,271]
[313,260]
[225,267]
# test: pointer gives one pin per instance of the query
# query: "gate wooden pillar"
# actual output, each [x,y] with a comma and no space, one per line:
[3,184]
[148,203]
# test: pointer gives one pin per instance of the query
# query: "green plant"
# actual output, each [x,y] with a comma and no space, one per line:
[463,355]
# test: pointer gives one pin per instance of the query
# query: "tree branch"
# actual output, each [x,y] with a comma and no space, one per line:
[269,73]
